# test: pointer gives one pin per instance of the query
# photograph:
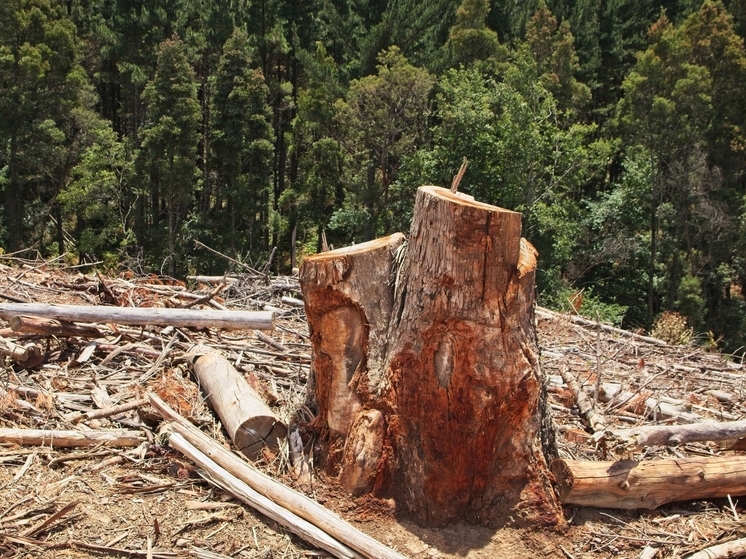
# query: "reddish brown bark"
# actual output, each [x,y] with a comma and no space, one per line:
[445,351]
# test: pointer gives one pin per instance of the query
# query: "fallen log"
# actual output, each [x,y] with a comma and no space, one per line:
[70,439]
[241,490]
[672,435]
[727,550]
[586,406]
[282,495]
[250,422]
[52,327]
[627,484]
[229,320]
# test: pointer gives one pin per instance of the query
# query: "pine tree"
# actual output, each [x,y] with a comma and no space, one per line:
[169,149]
[242,145]
[44,96]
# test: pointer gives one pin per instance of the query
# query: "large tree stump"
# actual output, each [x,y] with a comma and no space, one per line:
[427,380]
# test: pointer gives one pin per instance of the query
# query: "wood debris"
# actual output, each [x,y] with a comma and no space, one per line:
[659,405]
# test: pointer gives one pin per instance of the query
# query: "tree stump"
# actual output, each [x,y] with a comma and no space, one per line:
[426,376]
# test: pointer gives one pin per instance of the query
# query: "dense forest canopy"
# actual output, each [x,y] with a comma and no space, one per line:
[131,128]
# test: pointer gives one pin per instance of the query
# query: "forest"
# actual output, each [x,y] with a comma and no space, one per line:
[129,129]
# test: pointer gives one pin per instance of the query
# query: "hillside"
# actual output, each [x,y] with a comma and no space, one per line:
[148,501]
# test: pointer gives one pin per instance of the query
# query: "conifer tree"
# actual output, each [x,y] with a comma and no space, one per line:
[242,145]
[168,159]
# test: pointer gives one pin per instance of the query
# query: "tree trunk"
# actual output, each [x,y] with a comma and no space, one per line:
[427,380]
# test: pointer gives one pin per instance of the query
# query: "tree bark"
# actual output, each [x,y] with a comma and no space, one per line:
[437,337]
[672,435]
[229,320]
[628,484]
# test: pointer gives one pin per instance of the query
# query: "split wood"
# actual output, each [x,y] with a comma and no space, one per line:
[229,320]
[282,495]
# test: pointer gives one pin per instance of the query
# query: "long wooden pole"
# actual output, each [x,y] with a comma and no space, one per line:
[229,320]
[627,484]
[282,495]
[240,489]
[70,439]
[672,435]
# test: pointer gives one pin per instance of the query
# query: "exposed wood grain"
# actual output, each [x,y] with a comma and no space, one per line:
[627,484]
[70,439]
[250,422]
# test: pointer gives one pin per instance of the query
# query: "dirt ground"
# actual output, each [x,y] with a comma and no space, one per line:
[148,501]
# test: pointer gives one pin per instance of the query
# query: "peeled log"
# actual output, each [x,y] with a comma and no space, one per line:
[627,484]
[440,340]
[250,423]
[229,320]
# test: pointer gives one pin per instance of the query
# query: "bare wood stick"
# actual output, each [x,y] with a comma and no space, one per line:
[230,320]
[250,423]
[270,342]
[279,493]
[672,435]
[241,490]
[228,258]
[586,407]
[47,522]
[70,439]
[213,279]
[627,484]
[112,410]
[207,298]
[736,548]
[52,327]
[546,313]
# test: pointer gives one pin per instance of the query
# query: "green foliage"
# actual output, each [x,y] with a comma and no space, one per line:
[98,201]
[242,149]
[383,120]
[618,130]
[470,39]
[169,149]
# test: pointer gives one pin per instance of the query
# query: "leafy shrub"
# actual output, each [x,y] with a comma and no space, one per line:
[671,327]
